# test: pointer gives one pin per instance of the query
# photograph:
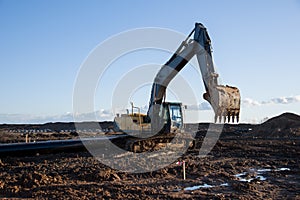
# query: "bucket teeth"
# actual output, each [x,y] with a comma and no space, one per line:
[225,101]
[232,117]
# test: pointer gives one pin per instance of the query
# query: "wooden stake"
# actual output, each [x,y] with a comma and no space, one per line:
[183,166]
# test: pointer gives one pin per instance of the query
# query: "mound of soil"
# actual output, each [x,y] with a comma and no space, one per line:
[285,125]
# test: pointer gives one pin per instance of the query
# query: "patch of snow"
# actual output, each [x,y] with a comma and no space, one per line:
[196,187]
[282,169]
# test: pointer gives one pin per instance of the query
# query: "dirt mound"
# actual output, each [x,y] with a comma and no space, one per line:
[284,125]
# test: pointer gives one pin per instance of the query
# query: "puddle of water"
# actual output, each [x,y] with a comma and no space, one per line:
[282,169]
[258,173]
[196,187]
[258,177]
[261,178]
[224,184]
[241,174]
[177,190]
[264,170]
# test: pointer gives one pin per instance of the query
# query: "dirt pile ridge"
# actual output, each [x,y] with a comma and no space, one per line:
[285,125]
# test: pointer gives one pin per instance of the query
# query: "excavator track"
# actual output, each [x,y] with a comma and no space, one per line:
[139,145]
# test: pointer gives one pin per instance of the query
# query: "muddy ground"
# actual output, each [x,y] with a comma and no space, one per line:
[242,165]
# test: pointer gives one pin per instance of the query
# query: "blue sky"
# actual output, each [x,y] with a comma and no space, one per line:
[43,44]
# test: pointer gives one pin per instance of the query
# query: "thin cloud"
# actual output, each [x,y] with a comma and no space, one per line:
[101,115]
[284,100]
[278,100]
[250,102]
[201,106]
[107,115]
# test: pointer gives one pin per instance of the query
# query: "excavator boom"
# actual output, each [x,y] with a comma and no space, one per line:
[225,100]
[155,129]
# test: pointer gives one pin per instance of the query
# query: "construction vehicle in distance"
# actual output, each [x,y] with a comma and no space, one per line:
[167,116]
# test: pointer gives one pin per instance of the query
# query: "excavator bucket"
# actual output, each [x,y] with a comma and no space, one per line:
[225,101]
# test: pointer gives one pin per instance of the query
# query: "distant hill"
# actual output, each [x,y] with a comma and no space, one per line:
[284,125]
[58,126]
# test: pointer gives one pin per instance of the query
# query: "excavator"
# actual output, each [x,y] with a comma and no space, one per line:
[164,117]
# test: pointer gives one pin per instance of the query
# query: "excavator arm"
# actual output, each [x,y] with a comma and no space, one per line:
[225,100]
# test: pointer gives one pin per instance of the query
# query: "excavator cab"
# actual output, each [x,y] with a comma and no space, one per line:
[175,110]
[169,118]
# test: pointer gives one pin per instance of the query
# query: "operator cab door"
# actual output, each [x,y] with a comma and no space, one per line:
[176,115]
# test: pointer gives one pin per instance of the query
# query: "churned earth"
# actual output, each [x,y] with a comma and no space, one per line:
[247,162]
